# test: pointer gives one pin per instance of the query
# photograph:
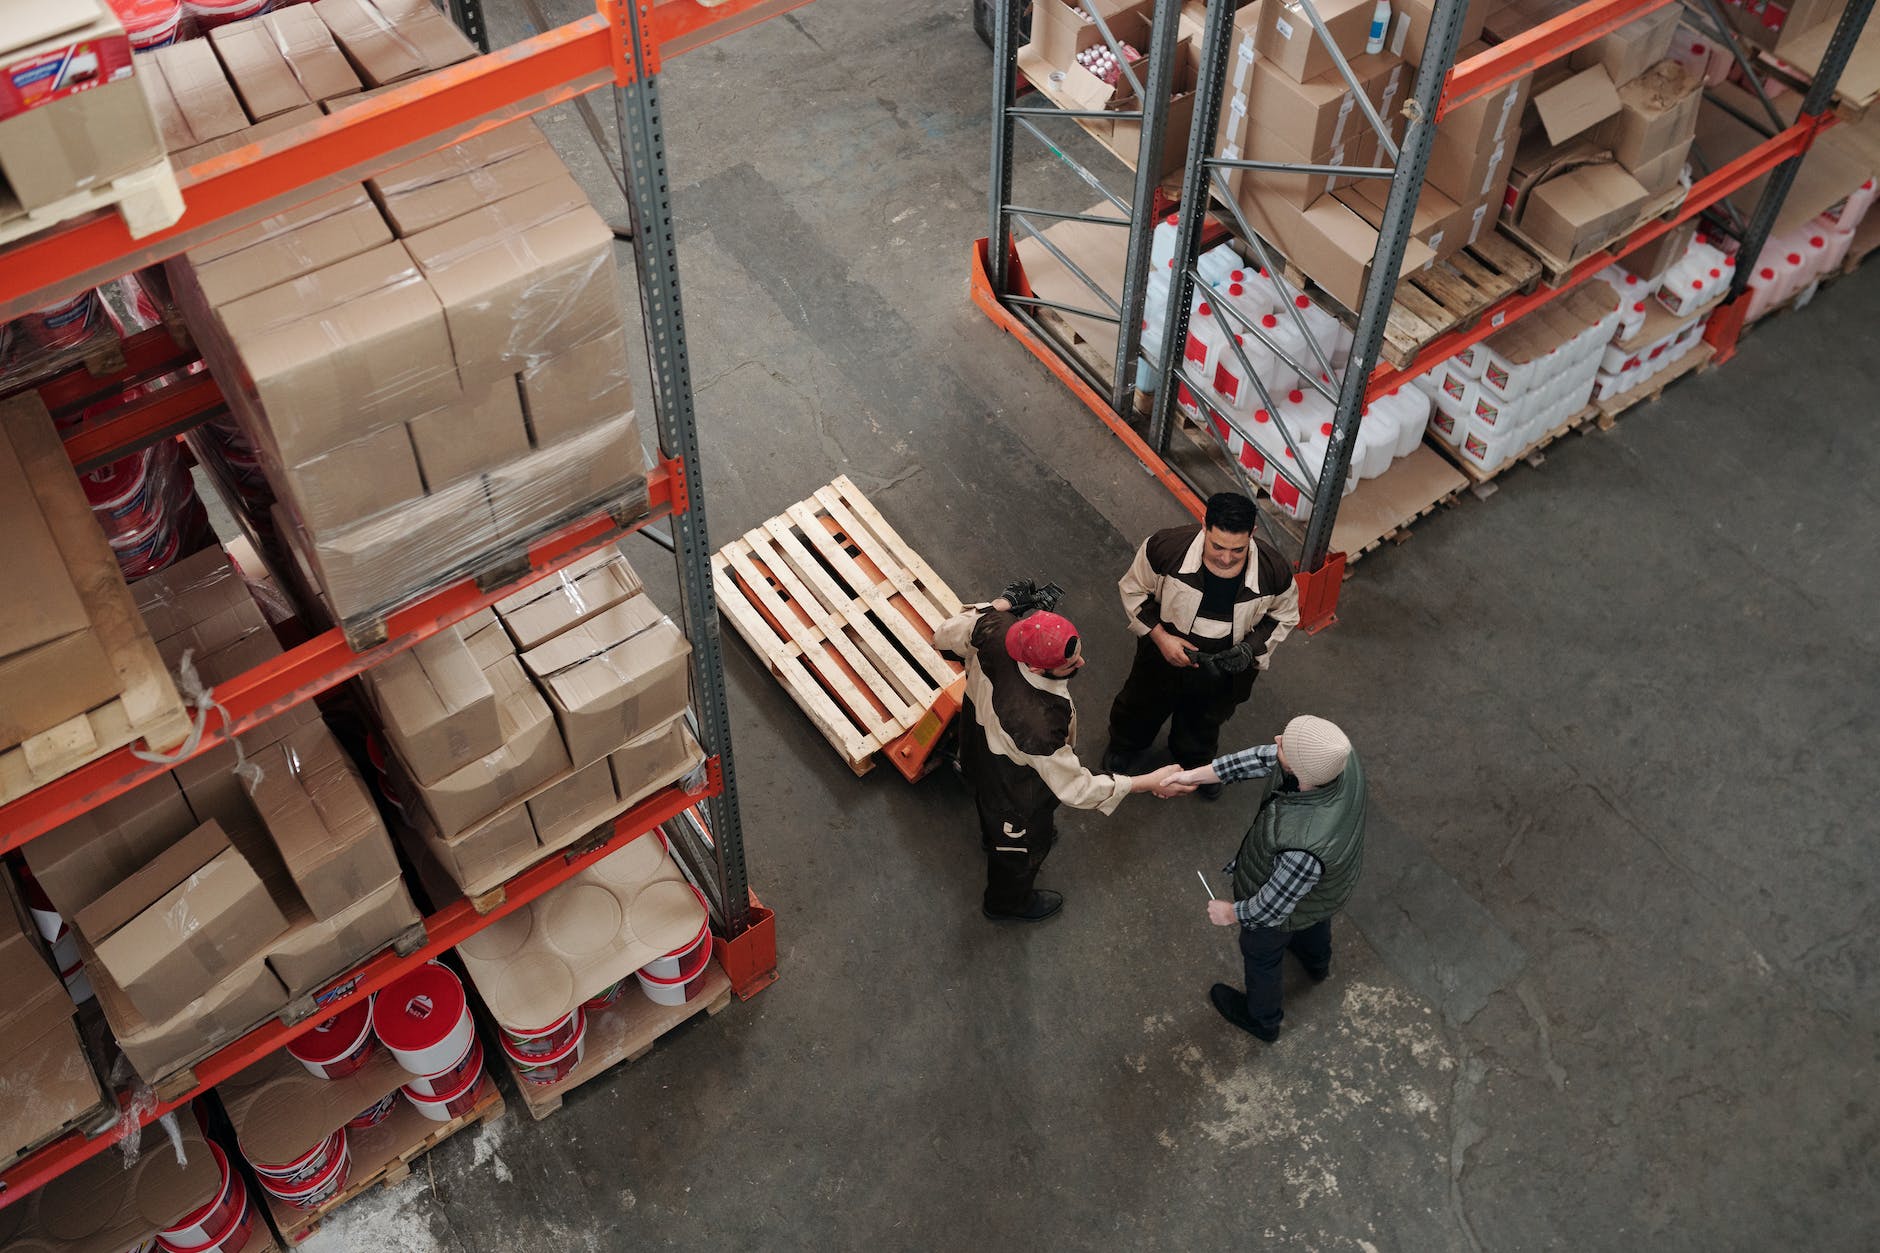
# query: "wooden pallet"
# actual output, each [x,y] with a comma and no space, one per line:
[842,610]
[382,1156]
[148,200]
[1482,481]
[1453,294]
[1695,358]
[147,706]
[624,1032]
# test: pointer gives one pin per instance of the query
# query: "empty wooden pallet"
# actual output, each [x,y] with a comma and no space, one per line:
[842,610]
[1453,293]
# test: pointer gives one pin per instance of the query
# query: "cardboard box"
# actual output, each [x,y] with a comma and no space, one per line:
[274,226]
[204,104]
[210,784]
[1650,262]
[402,553]
[155,1047]
[32,999]
[1058,34]
[1657,113]
[1475,144]
[1410,29]
[115,1207]
[316,61]
[1300,189]
[570,393]
[654,760]
[611,678]
[1573,214]
[418,208]
[522,279]
[606,464]
[1287,39]
[456,160]
[49,1082]
[52,665]
[360,479]
[571,807]
[1438,222]
[485,637]
[258,70]
[1575,104]
[178,926]
[388,40]
[194,590]
[1320,115]
[315,951]
[323,821]
[340,353]
[436,706]
[74,116]
[531,755]
[1327,240]
[1778,26]
[1536,161]
[480,432]
[276,125]
[567,598]
[1660,174]
[1633,48]
[354,229]
[490,851]
[81,860]
[1179,115]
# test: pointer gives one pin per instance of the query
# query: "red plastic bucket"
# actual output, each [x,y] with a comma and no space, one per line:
[211,1223]
[338,1047]
[149,23]
[543,1041]
[450,1079]
[682,987]
[317,1191]
[449,1105]
[675,963]
[424,1019]
[64,324]
[234,1240]
[373,1115]
[553,1068]
[307,1166]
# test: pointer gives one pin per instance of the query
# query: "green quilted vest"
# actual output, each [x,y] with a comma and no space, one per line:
[1327,822]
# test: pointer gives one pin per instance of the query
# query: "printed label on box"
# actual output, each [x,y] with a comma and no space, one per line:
[1487,411]
[1496,375]
[1284,27]
[1474,446]
[63,72]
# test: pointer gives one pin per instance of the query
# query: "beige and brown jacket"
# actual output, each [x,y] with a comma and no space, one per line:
[1163,585]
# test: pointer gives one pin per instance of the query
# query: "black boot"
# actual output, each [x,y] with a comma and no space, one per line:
[1040,905]
[1231,1003]
[1210,791]
[1115,761]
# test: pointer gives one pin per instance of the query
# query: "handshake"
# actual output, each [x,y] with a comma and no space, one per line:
[1172,781]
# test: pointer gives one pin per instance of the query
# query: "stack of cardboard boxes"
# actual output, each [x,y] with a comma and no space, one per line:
[523,729]
[1606,138]
[208,898]
[44,1070]
[431,366]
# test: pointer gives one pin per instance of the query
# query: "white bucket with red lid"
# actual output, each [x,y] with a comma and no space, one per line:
[304,1167]
[543,1041]
[149,24]
[338,1047]
[451,1078]
[447,1106]
[680,959]
[556,1066]
[233,1240]
[374,1114]
[424,1019]
[681,987]
[211,1222]
[323,1187]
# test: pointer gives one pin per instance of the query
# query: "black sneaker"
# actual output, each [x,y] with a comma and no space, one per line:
[1210,791]
[1318,974]
[1231,1003]
[1042,904]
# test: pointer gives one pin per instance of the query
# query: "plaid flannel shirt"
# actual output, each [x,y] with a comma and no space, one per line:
[1295,871]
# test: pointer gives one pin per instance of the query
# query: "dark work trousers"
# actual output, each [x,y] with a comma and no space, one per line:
[1262,948]
[1016,846]
[1195,704]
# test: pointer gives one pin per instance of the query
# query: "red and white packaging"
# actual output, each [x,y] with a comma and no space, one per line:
[211,1225]
[447,1106]
[680,988]
[374,1114]
[679,959]
[451,1078]
[424,1019]
[321,1188]
[556,1066]
[338,1047]
[307,1166]
[543,1041]
[607,998]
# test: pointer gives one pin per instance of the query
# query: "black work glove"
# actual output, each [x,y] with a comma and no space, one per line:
[1025,596]
[1230,660]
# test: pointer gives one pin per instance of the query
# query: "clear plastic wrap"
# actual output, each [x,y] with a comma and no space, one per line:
[389,40]
[85,330]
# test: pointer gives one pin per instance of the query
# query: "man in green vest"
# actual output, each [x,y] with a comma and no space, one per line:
[1297,865]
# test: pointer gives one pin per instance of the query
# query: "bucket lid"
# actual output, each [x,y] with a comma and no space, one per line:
[419,1010]
[335,1038]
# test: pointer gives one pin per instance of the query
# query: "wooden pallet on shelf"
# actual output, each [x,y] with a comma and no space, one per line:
[1696,358]
[382,1156]
[147,199]
[147,706]
[842,611]
[623,1032]
[1452,295]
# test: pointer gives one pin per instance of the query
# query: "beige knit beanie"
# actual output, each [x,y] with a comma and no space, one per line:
[1316,750]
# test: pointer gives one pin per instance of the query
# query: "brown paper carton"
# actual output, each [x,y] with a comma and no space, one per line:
[323,821]
[660,757]
[1572,214]
[489,852]
[573,806]
[80,861]
[1575,104]
[531,755]
[316,61]
[1410,28]
[1633,48]
[437,706]
[316,951]
[570,393]
[193,590]
[567,598]
[611,678]
[285,255]
[556,484]
[258,69]
[1657,114]
[1286,37]
[483,430]
[421,207]
[388,40]
[205,105]
[403,552]
[360,479]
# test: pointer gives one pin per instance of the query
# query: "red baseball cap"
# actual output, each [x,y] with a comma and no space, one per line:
[1041,640]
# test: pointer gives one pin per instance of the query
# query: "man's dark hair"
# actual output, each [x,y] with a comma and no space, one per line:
[1230,511]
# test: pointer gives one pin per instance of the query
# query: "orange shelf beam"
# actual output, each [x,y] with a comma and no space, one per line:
[1502,64]
[444,930]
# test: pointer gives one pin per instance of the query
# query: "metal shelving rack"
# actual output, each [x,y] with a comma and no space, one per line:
[619,46]
[1441,86]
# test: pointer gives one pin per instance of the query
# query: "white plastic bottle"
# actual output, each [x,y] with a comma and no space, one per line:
[1162,243]
[1377,442]
[1286,338]
[1858,202]
[1252,301]
[1409,408]
[1303,411]
[1333,339]
[1380,23]
[1217,263]
[1203,348]
[1837,241]
[1631,317]
[1231,383]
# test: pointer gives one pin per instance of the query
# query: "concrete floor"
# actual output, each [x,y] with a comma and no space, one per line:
[1608,981]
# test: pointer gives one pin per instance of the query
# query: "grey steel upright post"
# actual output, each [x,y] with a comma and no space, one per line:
[1154,96]
[655,250]
[1004,96]
[1817,101]
[1393,234]
[1193,213]
[468,14]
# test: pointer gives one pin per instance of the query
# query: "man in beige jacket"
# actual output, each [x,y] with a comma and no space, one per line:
[1208,603]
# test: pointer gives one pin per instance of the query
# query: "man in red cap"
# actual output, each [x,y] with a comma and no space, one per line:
[1018,736]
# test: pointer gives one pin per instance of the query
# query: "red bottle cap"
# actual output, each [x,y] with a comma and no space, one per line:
[1269,321]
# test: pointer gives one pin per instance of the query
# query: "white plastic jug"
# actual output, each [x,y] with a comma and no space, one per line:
[1456,395]
[1631,317]
[1377,442]
[1858,202]
[1407,409]
[1333,339]
[1203,349]
[1217,263]
[1162,244]
[1231,381]
[1285,336]
[1303,411]
[1252,300]
[1838,241]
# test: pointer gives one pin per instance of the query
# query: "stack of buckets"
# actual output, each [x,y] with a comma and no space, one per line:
[150,24]
[547,1055]
[677,977]
[147,505]
[57,933]
[223,1225]
[210,14]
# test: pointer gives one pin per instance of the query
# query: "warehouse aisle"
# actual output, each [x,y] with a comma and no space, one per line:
[1608,980]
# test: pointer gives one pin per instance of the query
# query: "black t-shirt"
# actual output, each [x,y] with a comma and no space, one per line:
[1217,605]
